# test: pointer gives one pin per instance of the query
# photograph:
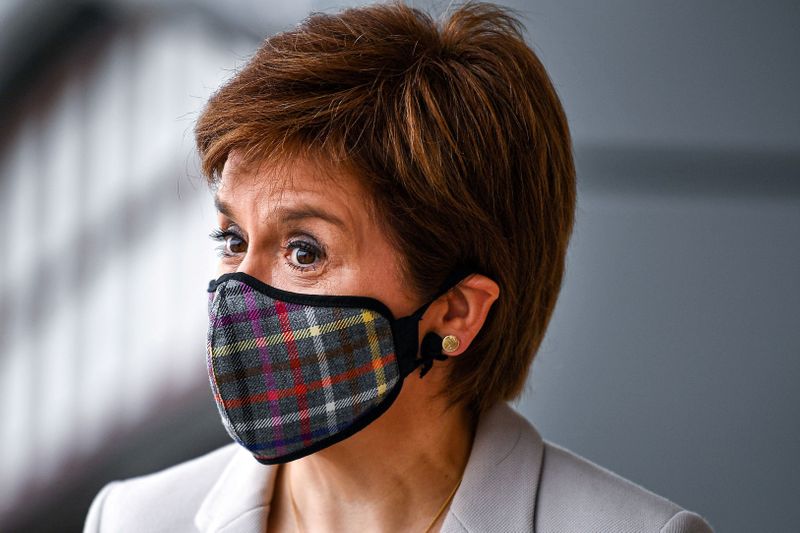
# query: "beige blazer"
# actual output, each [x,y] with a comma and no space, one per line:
[514,481]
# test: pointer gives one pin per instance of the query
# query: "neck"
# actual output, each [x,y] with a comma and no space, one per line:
[395,474]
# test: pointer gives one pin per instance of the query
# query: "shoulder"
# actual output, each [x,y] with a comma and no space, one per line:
[164,501]
[515,480]
[576,494]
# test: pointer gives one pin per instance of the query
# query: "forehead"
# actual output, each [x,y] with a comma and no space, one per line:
[276,182]
[279,176]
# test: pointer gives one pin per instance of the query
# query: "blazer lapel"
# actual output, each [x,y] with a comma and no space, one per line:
[239,500]
[498,490]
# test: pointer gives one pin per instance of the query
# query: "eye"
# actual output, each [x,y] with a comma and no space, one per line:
[232,242]
[303,255]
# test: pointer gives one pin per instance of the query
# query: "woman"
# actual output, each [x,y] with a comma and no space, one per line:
[395,199]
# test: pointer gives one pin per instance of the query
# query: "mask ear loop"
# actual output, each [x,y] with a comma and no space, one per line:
[430,349]
[406,332]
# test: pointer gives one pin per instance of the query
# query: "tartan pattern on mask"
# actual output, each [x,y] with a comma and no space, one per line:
[286,376]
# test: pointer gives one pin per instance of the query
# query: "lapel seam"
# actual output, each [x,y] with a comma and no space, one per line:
[460,523]
[538,486]
[511,448]
[526,443]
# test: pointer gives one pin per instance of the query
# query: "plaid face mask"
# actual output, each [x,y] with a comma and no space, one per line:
[294,373]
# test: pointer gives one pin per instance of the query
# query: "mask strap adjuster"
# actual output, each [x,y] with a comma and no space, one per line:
[431,348]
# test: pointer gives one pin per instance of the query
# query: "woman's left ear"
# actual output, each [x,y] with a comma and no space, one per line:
[462,311]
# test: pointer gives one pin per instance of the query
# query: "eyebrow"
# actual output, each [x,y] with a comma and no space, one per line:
[288,214]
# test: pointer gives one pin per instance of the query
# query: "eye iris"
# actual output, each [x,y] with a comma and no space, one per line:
[304,257]
[235,245]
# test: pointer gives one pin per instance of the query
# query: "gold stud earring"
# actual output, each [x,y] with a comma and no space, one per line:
[450,343]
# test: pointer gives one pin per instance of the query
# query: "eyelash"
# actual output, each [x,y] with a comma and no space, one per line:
[220,235]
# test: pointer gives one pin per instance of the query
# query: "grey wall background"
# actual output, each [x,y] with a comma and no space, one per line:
[674,355]
[674,352]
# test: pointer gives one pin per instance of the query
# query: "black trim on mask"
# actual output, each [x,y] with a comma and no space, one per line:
[405,331]
[317,300]
[355,427]
[333,300]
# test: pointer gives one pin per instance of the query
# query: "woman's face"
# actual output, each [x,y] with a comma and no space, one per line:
[311,230]
[306,228]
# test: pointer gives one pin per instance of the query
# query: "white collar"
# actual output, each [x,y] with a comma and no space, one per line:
[499,484]
[239,500]
[502,475]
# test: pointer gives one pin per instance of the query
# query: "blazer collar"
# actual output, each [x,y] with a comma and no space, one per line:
[239,500]
[501,479]
[498,488]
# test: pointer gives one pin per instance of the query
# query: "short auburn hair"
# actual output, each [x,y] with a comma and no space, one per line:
[455,129]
